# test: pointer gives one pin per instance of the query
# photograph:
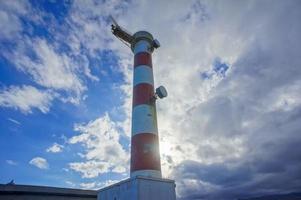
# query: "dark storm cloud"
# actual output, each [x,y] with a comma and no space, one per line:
[259,103]
[217,174]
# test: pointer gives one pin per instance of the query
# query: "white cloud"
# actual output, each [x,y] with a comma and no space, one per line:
[286,97]
[91,168]
[11,162]
[10,24]
[119,169]
[97,185]
[70,183]
[51,69]
[219,120]
[90,32]
[103,151]
[55,148]
[39,162]
[14,121]
[64,72]
[88,185]
[25,98]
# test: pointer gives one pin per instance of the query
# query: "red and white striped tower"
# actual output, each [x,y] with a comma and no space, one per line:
[145,157]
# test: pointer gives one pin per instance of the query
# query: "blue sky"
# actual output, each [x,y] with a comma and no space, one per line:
[228,129]
[35,128]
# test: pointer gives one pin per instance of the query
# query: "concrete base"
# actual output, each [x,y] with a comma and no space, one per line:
[139,188]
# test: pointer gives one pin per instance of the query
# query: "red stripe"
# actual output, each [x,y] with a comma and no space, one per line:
[145,152]
[143,94]
[143,58]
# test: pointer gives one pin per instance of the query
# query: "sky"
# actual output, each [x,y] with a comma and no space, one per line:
[230,127]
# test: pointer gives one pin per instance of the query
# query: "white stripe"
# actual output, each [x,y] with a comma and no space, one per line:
[143,74]
[142,46]
[144,119]
[147,173]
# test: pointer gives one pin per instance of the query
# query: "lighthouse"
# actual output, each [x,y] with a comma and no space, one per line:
[145,156]
[145,182]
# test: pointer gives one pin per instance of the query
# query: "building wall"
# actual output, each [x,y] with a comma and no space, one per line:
[25,192]
[41,197]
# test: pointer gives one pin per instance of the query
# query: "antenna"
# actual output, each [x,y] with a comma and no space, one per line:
[121,33]
[114,21]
